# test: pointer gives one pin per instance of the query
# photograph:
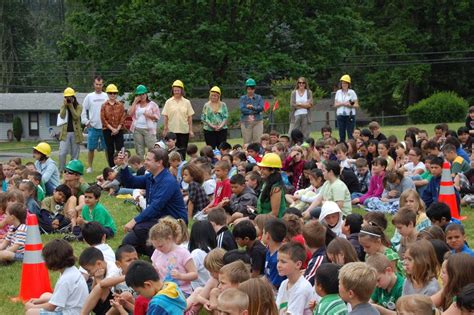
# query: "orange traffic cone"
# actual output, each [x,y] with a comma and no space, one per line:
[34,274]
[446,191]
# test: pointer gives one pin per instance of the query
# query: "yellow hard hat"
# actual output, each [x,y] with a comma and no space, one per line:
[271,160]
[111,88]
[216,89]
[43,147]
[178,83]
[346,78]
[69,92]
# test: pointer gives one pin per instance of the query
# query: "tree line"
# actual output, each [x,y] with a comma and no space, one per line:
[397,52]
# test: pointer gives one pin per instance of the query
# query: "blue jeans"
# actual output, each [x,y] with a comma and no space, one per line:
[355,195]
[95,139]
[345,123]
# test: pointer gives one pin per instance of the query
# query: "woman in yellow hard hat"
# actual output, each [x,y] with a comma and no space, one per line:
[214,119]
[145,116]
[70,137]
[301,103]
[178,117]
[112,115]
[346,103]
[46,166]
[272,197]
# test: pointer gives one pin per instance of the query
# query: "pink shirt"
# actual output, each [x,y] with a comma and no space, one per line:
[375,187]
[3,230]
[175,259]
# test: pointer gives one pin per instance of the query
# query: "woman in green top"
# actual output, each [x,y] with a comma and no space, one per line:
[214,119]
[272,198]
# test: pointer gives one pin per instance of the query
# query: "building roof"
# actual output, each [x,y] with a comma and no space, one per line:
[34,101]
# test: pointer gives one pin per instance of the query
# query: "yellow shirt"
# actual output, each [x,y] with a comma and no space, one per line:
[178,113]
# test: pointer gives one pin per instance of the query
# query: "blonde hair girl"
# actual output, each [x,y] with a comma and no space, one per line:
[340,251]
[262,297]
[421,267]
[173,262]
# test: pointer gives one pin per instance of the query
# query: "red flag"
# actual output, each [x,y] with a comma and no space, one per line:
[266,106]
[275,106]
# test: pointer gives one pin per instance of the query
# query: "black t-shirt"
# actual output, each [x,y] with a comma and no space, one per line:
[70,127]
[257,256]
[380,137]
[350,179]
[225,239]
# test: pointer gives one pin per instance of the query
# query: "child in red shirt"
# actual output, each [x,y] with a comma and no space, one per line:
[223,188]
[253,151]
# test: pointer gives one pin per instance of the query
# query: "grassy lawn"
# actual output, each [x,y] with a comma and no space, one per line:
[122,213]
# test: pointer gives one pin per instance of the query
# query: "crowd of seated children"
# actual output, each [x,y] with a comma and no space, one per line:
[276,238]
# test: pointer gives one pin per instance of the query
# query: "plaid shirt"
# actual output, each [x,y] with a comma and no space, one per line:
[364,181]
[198,196]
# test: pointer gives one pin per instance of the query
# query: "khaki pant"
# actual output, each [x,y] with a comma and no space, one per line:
[251,131]
[143,138]
[301,123]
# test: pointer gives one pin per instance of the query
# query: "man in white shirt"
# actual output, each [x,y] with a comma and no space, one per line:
[91,118]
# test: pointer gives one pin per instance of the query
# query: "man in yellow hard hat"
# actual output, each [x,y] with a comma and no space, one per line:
[91,118]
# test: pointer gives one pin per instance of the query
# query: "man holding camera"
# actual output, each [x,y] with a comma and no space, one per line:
[70,137]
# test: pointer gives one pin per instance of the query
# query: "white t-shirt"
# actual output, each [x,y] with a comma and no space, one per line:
[296,300]
[109,256]
[70,292]
[410,167]
[345,97]
[93,103]
[141,119]
[198,256]
[107,251]
[300,100]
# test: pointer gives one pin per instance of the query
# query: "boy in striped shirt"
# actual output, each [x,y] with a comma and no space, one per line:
[327,287]
[13,245]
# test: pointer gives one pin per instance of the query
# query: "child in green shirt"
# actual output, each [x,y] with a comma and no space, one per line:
[95,211]
[389,284]
[327,286]
[35,178]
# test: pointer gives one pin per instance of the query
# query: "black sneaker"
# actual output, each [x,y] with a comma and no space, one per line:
[70,237]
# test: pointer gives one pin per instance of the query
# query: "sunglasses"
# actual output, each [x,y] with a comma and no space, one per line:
[113,93]
[69,172]
[301,82]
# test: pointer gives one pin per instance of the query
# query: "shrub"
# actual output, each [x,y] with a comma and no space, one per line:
[17,128]
[441,107]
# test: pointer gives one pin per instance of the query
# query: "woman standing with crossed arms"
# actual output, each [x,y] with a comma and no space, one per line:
[214,119]
[178,117]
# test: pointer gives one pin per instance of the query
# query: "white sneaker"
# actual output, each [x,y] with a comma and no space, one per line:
[89,170]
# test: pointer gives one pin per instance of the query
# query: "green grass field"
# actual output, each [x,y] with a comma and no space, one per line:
[122,213]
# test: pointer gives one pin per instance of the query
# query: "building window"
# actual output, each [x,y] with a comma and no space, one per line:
[6,117]
[53,119]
